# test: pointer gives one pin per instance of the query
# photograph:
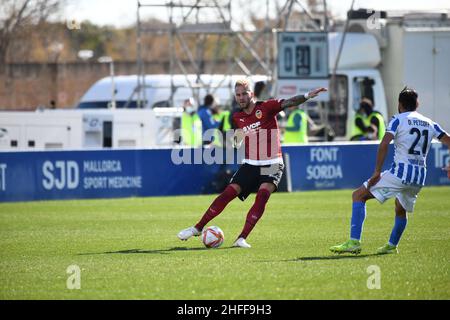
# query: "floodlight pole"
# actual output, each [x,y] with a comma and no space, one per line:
[111,74]
[172,54]
[325,12]
[113,85]
[139,57]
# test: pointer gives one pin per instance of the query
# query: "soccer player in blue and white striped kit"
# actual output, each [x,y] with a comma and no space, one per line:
[412,134]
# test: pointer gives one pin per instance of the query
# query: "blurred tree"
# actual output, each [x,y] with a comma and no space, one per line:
[91,37]
[18,15]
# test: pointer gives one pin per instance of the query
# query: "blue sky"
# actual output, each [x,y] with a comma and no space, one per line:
[123,12]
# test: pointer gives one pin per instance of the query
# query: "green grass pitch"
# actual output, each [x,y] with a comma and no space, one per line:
[128,249]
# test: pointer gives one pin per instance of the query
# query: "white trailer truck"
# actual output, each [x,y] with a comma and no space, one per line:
[415,51]
[357,76]
[377,61]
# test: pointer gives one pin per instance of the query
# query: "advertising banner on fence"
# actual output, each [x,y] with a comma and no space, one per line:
[47,175]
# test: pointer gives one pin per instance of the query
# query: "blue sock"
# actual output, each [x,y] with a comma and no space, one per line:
[397,231]
[358,216]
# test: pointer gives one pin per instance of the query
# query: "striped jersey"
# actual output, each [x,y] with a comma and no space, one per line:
[413,133]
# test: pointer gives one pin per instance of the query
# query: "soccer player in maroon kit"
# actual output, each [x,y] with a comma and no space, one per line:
[262,166]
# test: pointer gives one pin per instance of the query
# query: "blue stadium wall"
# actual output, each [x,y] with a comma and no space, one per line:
[51,175]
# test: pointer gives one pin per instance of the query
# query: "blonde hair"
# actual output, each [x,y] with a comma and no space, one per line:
[243,83]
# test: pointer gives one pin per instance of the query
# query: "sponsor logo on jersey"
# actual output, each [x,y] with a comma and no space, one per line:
[252,127]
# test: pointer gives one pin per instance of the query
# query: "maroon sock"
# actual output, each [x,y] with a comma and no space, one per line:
[217,206]
[256,212]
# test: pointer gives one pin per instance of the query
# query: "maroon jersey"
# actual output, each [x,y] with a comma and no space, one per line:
[262,135]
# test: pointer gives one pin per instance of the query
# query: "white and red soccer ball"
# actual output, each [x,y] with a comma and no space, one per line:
[212,237]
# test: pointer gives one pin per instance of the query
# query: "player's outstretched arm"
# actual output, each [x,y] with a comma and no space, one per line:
[297,100]
[445,140]
[381,156]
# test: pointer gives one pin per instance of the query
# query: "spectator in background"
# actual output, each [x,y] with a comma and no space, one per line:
[191,125]
[368,124]
[376,126]
[296,130]
[260,90]
[223,118]
[205,113]
[360,127]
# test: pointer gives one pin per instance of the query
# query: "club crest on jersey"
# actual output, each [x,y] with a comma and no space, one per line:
[258,114]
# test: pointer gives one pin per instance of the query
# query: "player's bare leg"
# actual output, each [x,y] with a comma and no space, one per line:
[359,197]
[255,213]
[217,206]
[401,220]
[399,210]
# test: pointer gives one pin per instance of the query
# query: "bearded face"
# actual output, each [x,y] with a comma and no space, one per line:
[243,96]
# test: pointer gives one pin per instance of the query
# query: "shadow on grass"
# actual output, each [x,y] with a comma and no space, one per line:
[337,257]
[157,251]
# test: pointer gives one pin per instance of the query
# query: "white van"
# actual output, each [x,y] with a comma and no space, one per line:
[157,90]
